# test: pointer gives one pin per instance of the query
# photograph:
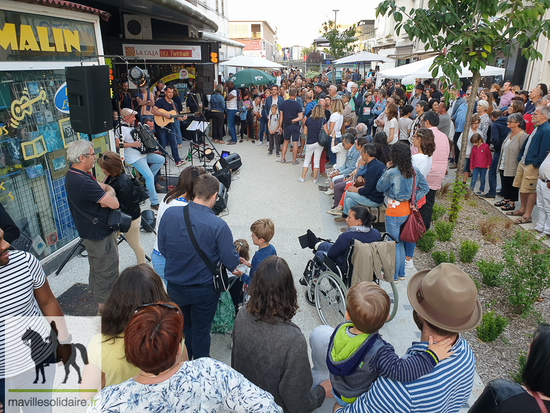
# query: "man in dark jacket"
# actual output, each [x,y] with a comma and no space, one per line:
[499,131]
[367,195]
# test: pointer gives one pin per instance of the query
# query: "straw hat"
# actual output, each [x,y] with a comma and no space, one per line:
[446,297]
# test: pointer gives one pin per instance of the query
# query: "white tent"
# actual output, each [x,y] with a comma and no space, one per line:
[363,57]
[251,62]
[421,70]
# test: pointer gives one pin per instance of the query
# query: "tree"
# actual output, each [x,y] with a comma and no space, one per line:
[471,32]
[307,50]
[340,43]
[314,57]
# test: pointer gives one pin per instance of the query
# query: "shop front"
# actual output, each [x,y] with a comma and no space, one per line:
[36,44]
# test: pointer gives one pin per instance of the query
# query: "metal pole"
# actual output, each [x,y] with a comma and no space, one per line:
[333,64]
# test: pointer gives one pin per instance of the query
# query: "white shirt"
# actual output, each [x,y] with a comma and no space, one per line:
[131,155]
[340,152]
[392,124]
[544,168]
[423,163]
[232,104]
[163,206]
[337,119]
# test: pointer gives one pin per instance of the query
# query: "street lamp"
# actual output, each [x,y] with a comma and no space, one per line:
[335,11]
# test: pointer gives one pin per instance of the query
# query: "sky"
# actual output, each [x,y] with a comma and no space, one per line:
[299,22]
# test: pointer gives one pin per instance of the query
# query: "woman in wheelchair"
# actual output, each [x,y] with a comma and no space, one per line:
[360,228]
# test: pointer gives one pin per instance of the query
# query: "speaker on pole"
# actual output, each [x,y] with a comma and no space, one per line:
[89,95]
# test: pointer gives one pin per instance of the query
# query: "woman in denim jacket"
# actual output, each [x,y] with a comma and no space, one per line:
[396,182]
[217,108]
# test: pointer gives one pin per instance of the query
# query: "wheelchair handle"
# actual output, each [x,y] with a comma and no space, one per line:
[388,235]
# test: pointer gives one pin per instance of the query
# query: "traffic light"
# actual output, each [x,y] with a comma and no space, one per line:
[214,57]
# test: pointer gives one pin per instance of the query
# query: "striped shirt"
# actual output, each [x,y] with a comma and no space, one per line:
[442,391]
[19,311]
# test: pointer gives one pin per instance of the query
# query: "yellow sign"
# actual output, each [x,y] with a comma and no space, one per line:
[39,40]
[23,106]
[186,73]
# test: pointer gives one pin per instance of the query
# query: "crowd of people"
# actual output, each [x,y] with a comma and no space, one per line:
[377,148]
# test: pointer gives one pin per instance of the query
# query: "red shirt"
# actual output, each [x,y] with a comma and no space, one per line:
[480,157]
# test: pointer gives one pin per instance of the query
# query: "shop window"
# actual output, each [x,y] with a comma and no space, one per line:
[35,132]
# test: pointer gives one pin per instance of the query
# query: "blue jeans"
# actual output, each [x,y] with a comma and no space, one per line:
[177,130]
[198,305]
[354,198]
[493,174]
[263,128]
[393,227]
[478,172]
[168,135]
[322,250]
[231,124]
[148,168]
[158,262]
[409,248]
[332,155]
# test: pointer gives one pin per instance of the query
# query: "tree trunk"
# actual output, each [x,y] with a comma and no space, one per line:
[471,103]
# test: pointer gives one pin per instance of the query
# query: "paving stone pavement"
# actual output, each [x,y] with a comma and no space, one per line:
[263,187]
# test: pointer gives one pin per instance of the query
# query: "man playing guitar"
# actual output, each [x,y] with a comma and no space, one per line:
[165,134]
[146,164]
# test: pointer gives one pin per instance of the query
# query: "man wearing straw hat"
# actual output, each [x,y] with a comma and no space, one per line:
[445,303]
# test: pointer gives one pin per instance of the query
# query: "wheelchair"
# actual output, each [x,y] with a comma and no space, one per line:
[327,283]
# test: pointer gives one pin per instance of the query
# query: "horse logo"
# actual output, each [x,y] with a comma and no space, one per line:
[65,353]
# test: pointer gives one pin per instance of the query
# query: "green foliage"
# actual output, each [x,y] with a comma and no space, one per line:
[340,43]
[490,271]
[442,256]
[528,264]
[426,241]
[444,230]
[458,192]
[438,211]
[472,33]
[522,361]
[468,250]
[476,282]
[491,327]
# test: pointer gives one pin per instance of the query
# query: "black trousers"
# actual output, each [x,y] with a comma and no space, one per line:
[217,126]
[457,149]
[426,210]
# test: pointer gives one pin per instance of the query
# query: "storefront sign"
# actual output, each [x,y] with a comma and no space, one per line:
[61,101]
[162,52]
[30,37]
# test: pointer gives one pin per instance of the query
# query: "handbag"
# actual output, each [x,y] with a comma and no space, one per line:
[324,139]
[219,273]
[413,228]
[117,221]
[139,190]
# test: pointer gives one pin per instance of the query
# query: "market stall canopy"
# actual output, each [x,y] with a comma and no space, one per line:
[252,62]
[363,57]
[248,77]
[421,70]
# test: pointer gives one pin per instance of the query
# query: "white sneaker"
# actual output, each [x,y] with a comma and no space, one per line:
[260,143]
[300,180]
[329,192]
[335,211]
[315,181]
[409,263]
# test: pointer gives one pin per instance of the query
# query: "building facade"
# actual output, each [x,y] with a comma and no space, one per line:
[259,38]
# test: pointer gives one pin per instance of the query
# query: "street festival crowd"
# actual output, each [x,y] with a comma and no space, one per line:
[376,146]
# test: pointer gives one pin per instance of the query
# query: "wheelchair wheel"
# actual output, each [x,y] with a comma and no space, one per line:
[391,290]
[330,299]
[310,296]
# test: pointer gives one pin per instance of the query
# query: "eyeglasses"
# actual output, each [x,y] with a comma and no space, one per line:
[171,307]
[476,123]
[104,157]
[89,154]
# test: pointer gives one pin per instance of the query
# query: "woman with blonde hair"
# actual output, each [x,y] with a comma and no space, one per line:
[335,124]
[312,129]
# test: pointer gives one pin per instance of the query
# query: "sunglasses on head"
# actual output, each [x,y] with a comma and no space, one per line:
[102,156]
[171,307]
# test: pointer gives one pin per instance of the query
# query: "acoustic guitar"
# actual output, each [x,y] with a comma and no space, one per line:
[162,121]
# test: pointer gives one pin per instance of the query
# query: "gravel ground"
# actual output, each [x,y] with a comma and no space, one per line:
[497,359]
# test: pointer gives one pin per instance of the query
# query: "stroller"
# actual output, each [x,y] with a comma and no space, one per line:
[327,283]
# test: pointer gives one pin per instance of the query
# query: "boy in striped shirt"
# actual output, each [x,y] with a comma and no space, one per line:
[357,354]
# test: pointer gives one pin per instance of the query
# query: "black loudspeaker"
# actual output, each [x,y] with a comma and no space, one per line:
[205,78]
[89,95]
[233,161]
[224,176]
[221,201]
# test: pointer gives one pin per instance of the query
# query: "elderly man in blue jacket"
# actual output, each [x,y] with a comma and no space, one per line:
[366,195]
[531,155]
